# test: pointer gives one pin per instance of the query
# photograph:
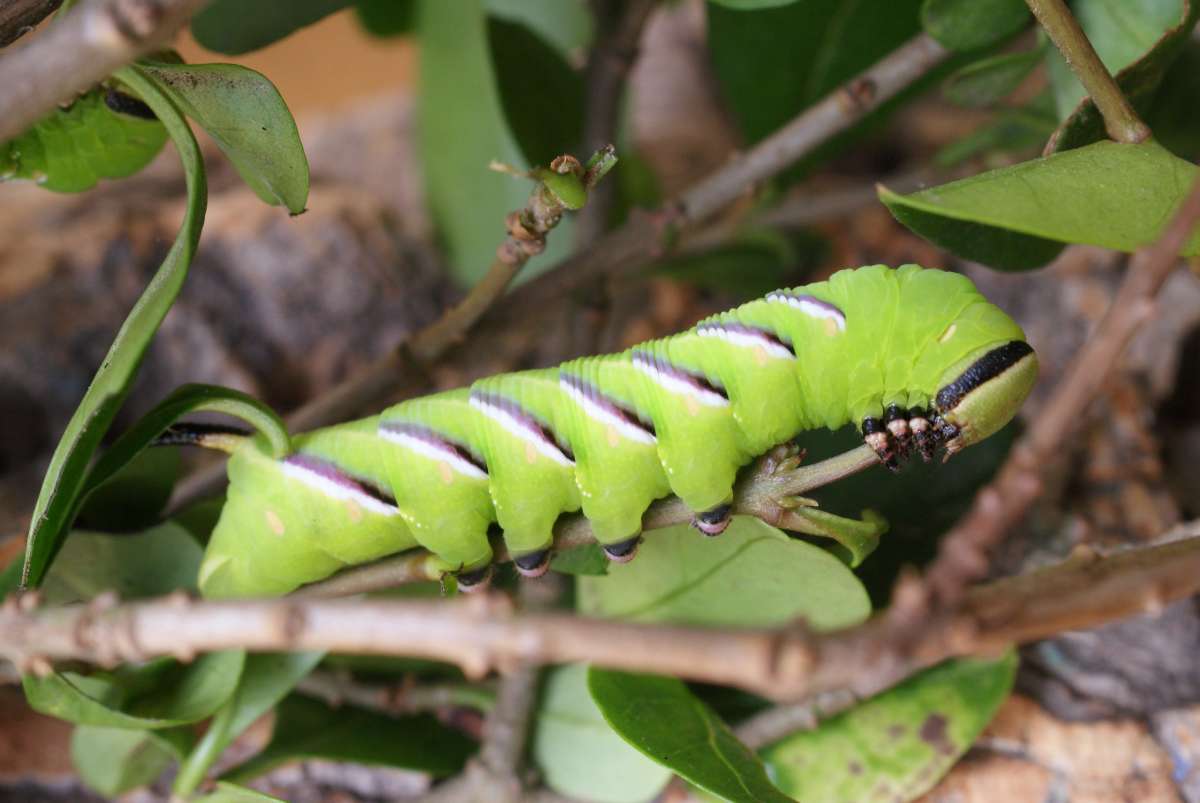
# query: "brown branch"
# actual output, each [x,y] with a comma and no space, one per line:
[999,507]
[619,25]
[757,495]
[18,17]
[83,48]
[483,633]
[1120,120]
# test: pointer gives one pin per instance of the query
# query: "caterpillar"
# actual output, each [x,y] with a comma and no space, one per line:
[916,358]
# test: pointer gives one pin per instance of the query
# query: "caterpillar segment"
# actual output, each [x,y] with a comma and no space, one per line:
[916,358]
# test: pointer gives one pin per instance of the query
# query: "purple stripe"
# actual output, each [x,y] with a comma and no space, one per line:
[752,331]
[698,381]
[437,441]
[608,403]
[524,419]
[328,471]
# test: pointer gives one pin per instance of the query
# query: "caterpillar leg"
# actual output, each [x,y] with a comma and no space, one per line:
[622,551]
[533,564]
[714,521]
[474,580]
[879,438]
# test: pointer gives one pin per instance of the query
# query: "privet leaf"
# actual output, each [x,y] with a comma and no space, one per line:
[74,147]
[542,96]
[896,745]
[665,721]
[973,24]
[244,114]
[987,81]
[232,793]
[579,754]
[160,694]
[112,761]
[305,728]
[385,18]
[133,498]
[1107,194]
[1139,80]
[753,575]
[224,25]
[64,478]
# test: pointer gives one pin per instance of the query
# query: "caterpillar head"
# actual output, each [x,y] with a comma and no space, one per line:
[982,392]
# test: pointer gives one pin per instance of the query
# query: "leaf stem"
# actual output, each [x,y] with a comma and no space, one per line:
[1120,120]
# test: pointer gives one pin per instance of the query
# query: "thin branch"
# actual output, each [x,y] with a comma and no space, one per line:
[83,48]
[757,495]
[482,633]
[403,698]
[619,26]
[1120,120]
[18,17]
[779,721]
[999,507]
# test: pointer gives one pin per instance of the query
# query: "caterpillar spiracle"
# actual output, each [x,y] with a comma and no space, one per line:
[916,358]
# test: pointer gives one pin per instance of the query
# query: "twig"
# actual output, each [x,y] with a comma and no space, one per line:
[619,26]
[482,633]
[757,495]
[999,507]
[18,17]
[1120,120]
[639,241]
[78,51]
[402,698]
[774,723]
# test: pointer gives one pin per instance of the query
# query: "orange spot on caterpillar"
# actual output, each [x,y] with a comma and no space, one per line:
[446,474]
[274,522]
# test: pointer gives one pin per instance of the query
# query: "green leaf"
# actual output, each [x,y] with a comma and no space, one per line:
[588,559]
[988,81]
[751,264]
[540,93]
[305,728]
[579,754]
[74,147]
[461,129]
[384,18]
[753,575]
[245,115]
[159,694]
[134,497]
[266,679]
[224,25]
[1011,132]
[665,721]
[1106,194]
[112,761]
[1140,39]
[64,478]
[232,793]
[752,5]
[157,561]
[773,63]
[973,24]
[897,745]
[1174,116]
[565,24]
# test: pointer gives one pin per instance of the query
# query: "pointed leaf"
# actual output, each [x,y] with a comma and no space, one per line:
[666,722]
[244,113]
[112,761]
[1106,194]
[385,18]
[580,755]
[232,793]
[753,575]
[74,147]
[225,27]
[894,746]
[988,81]
[64,478]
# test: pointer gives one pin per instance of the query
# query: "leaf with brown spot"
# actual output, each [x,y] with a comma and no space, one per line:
[897,745]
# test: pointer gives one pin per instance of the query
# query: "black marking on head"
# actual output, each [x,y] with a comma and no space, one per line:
[623,551]
[768,339]
[872,425]
[328,471]
[894,412]
[533,564]
[121,103]
[669,370]
[435,440]
[524,419]
[190,434]
[607,403]
[986,368]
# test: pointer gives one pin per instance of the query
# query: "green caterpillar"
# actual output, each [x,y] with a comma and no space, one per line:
[915,357]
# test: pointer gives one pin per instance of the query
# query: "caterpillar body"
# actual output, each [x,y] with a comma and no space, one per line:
[914,357]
